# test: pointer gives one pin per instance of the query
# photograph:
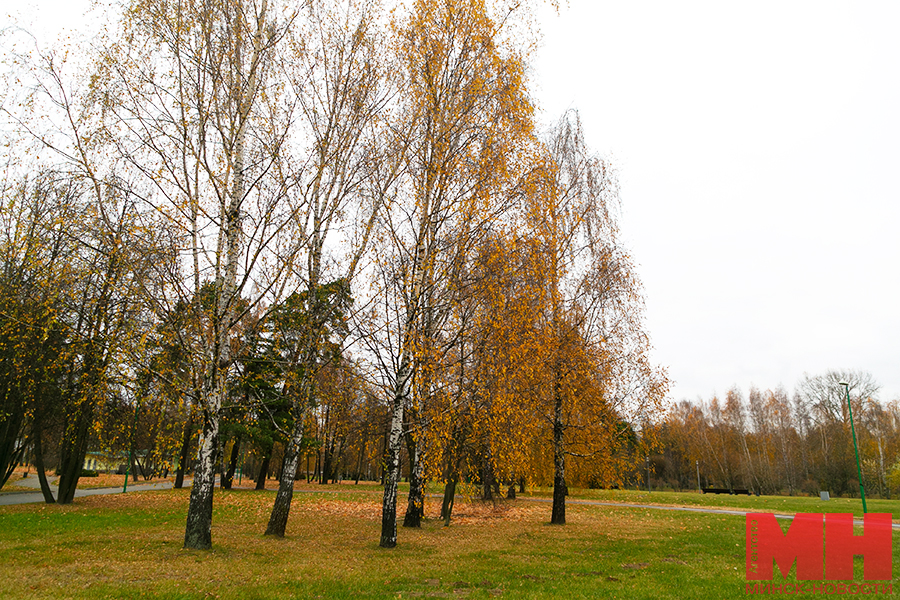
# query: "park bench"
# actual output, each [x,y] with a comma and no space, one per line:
[725,491]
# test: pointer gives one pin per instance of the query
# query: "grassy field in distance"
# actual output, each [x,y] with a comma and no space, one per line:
[777,504]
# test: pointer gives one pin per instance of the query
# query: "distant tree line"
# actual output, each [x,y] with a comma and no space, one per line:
[772,442]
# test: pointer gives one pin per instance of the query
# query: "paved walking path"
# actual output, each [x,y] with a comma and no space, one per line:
[9,498]
[30,498]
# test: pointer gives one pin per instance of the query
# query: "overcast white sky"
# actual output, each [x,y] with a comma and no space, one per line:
[758,148]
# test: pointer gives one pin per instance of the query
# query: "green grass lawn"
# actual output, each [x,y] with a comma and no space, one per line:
[129,546]
[777,504]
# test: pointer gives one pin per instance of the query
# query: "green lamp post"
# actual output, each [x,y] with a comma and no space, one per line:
[130,448]
[862,492]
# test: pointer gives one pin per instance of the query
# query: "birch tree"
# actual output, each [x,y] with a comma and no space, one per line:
[466,113]
[195,103]
[596,347]
[830,433]
[344,95]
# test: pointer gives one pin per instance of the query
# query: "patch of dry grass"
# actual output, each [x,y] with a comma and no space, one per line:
[111,480]
[130,546]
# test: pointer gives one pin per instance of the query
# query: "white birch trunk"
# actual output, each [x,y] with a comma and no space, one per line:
[389,503]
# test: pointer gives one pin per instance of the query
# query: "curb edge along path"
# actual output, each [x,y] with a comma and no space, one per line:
[715,511]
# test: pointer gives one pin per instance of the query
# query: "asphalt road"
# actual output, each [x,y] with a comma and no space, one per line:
[10,498]
[37,497]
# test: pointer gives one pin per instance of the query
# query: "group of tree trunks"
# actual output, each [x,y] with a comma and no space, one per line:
[323,229]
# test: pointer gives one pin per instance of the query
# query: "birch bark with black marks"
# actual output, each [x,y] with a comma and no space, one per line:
[392,462]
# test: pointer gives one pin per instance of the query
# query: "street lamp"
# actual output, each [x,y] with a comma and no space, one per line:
[130,448]
[862,492]
[648,472]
